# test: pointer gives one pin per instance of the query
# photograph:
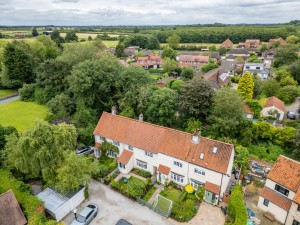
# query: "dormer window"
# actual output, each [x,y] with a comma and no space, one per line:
[215,150]
[201,156]
[116,143]
[179,164]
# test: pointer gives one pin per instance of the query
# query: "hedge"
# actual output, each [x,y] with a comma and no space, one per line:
[236,208]
[33,207]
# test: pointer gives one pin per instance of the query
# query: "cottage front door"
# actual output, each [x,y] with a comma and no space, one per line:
[208,196]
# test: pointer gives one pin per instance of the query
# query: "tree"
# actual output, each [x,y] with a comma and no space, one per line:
[169,53]
[136,30]
[169,65]
[136,40]
[294,69]
[55,36]
[62,106]
[152,42]
[120,50]
[177,85]
[288,80]
[4,132]
[286,55]
[173,41]
[209,66]
[246,86]
[263,48]
[270,88]
[192,125]
[35,33]
[254,59]
[257,85]
[40,151]
[71,36]
[196,98]
[74,172]
[227,112]
[288,94]
[242,158]
[222,50]
[162,106]
[292,39]
[90,38]
[51,50]
[20,63]
[187,73]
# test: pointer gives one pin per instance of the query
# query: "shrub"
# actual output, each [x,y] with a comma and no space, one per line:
[191,197]
[189,189]
[288,93]
[109,178]
[27,92]
[106,146]
[135,188]
[152,70]
[208,67]
[236,207]
[184,211]
[200,193]
[142,173]
[183,196]
[115,184]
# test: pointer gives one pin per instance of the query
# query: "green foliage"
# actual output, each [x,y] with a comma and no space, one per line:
[169,65]
[120,50]
[255,106]
[74,172]
[270,88]
[227,112]
[55,36]
[192,125]
[187,73]
[265,151]
[135,188]
[162,106]
[27,92]
[71,36]
[209,66]
[293,39]
[196,98]
[294,69]
[288,94]
[200,193]
[184,211]
[50,49]
[183,196]
[176,85]
[35,32]
[169,53]
[40,151]
[61,105]
[142,173]
[152,42]
[173,41]
[246,86]
[288,80]
[242,158]
[253,58]
[140,40]
[236,207]
[4,132]
[106,146]
[286,55]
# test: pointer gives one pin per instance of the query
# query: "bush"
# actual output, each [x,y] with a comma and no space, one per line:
[109,178]
[200,193]
[27,92]
[184,211]
[152,70]
[183,196]
[209,66]
[135,188]
[191,197]
[288,94]
[142,173]
[236,207]
[189,189]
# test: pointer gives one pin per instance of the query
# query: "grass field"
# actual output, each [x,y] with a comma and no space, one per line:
[6,92]
[110,44]
[21,115]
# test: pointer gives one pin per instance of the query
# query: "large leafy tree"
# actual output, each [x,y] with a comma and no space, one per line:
[40,151]
[4,132]
[51,49]
[169,53]
[162,106]
[55,36]
[75,172]
[246,86]
[62,106]
[152,42]
[227,112]
[187,73]
[295,70]
[270,88]
[173,41]
[286,55]
[35,32]
[71,36]
[169,65]
[94,81]
[196,98]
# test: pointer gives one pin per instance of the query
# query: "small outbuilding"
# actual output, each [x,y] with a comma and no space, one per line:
[58,205]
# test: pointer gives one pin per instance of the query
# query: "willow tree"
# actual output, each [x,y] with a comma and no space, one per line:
[40,151]
[246,86]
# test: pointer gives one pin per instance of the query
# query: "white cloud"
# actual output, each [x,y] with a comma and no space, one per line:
[138,12]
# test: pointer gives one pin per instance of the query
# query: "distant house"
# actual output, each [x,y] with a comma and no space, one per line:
[148,52]
[252,43]
[217,78]
[280,40]
[227,44]
[237,52]
[48,32]
[10,211]
[257,68]
[232,66]
[280,197]
[194,61]
[19,35]
[274,107]
[131,50]
[249,114]
[268,57]
[215,55]
[241,45]
[148,62]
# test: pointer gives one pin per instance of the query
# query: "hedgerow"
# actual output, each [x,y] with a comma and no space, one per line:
[236,208]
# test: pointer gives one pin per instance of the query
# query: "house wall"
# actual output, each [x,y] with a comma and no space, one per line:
[271,184]
[279,213]
[265,110]
[294,214]
[139,154]
[129,165]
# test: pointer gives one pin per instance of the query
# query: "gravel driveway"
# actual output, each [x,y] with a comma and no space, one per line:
[114,206]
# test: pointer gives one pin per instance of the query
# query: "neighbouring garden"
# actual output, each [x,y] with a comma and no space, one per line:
[6,92]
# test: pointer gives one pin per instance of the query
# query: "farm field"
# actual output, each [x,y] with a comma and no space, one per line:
[21,115]
[110,44]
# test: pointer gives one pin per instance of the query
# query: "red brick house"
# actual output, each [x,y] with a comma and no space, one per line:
[148,62]
[252,43]
[227,43]
[194,61]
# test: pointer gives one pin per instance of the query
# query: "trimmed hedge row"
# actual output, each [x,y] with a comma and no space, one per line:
[236,207]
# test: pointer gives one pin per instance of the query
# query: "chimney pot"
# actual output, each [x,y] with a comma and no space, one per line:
[141,117]
[196,136]
[114,110]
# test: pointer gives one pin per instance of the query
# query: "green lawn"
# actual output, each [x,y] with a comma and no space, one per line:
[21,115]
[149,193]
[6,92]
[172,194]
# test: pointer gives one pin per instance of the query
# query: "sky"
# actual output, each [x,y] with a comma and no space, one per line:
[150,12]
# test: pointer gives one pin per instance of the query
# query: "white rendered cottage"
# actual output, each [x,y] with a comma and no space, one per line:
[280,197]
[274,107]
[167,153]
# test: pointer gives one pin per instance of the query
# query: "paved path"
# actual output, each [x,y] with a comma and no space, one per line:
[157,191]
[9,100]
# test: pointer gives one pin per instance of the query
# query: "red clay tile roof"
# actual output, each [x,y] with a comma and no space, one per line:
[297,197]
[167,141]
[125,156]
[148,61]
[163,169]
[212,187]
[247,109]
[286,172]
[11,213]
[273,101]
[227,43]
[276,198]
[194,58]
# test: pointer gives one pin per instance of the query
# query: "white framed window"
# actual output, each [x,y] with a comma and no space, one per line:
[199,171]
[116,143]
[179,164]
[196,184]
[102,138]
[130,147]
[112,154]
[122,165]
[141,164]
[266,202]
[148,154]
[177,178]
